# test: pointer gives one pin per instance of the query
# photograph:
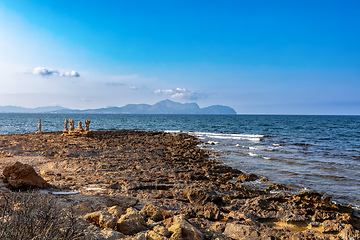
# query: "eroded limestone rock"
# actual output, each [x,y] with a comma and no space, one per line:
[23,176]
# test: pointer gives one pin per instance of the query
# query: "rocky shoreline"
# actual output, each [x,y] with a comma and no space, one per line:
[156,185]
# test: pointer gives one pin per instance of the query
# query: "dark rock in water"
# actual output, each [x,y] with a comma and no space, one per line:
[21,176]
[247,178]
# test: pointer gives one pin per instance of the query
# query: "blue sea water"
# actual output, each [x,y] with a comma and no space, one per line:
[321,153]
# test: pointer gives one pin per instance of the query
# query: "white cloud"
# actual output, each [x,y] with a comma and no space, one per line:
[44,71]
[181,93]
[49,72]
[133,88]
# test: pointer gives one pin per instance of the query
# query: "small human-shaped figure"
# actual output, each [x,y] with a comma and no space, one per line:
[72,125]
[80,128]
[39,126]
[66,129]
[87,125]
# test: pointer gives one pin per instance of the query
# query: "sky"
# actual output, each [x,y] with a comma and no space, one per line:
[258,57]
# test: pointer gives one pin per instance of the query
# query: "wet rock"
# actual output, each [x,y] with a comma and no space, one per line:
[182,229]
[101,219]
[23,176]
[132,222]
[246,178]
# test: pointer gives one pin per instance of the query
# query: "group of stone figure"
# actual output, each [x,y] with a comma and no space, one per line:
[72,126]
[79,127]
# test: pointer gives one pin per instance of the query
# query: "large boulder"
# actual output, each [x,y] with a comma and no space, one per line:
[23,176]
[132,222]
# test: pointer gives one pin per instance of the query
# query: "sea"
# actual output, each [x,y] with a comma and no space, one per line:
[320,153]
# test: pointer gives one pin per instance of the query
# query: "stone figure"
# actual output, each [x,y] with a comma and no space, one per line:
[39,125]
[87,125]
[66,129]
[72,124]
[79,128]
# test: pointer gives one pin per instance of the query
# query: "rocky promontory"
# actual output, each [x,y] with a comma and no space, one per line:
[154,185]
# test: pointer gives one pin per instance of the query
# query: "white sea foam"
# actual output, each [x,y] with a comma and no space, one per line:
[253,154]
[254,148]
[266,158]
[249,137]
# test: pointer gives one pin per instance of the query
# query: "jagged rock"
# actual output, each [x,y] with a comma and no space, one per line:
[23,176]
[247,178]
[101,219]
[162,231]
[116,211]
[332,226]
[124,202]
[82,208]
[156,236]
[349,233]
[103,234]
[182,228]
[197,196]
[209,211]
[132,222]
[154,212]
[240,231]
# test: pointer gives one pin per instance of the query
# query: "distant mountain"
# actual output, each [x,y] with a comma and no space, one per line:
[163,107]
[15,109]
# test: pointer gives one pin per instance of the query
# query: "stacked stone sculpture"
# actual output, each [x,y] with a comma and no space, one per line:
[39,126]
[79,130]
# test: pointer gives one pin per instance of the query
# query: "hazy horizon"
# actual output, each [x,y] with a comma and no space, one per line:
[261,57]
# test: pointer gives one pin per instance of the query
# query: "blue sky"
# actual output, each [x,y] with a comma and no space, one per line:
[259,57]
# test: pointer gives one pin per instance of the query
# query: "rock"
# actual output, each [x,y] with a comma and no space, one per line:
[247,178]
[101,219]
[240,231]
[197,196]
[104,234]
[349,233]
[154,212]
[162,231]
[210,211]
[82,208]
[156,236]
[116,211]
[332,226]
[23,176]
[124,202]
[182,228]
[132,222]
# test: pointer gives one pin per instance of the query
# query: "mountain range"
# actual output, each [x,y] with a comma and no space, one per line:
[163,107]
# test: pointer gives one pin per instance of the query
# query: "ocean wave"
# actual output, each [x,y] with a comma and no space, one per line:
[249,137]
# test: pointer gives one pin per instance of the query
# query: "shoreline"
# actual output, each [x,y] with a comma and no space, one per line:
[171,172]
